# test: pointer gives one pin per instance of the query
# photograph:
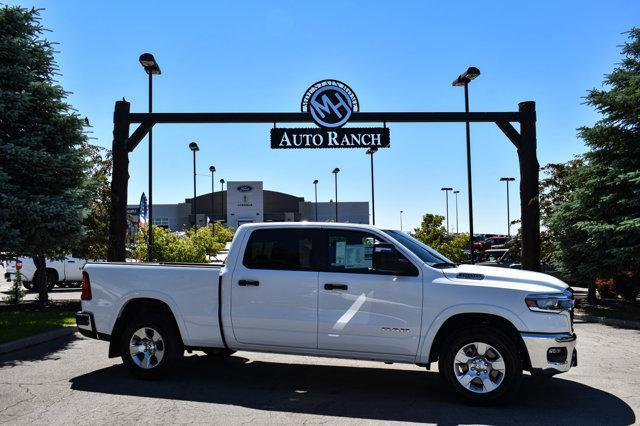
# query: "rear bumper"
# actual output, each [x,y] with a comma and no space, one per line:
[87,326]
[551,354]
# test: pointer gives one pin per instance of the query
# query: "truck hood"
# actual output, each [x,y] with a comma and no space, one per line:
[517,279]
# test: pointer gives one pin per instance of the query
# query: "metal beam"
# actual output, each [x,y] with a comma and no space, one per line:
[302,117]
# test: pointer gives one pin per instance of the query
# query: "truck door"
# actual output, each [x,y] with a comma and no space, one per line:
[274,293]
[361,309]
[73,268]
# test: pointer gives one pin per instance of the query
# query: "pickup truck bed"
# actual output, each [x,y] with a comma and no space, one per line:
[192,295]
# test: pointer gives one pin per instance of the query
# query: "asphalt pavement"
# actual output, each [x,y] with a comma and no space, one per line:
[71,380]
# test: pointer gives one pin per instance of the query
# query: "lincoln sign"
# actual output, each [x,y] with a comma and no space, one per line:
[330,104]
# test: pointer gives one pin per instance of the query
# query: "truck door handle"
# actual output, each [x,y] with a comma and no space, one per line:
[245,283]
[336,287]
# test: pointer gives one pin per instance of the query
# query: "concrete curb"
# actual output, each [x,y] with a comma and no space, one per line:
[633,325]
[25,342]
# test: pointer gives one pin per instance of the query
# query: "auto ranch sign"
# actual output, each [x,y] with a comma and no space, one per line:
[330,104]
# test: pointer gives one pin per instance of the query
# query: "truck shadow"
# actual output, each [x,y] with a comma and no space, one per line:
[359,392]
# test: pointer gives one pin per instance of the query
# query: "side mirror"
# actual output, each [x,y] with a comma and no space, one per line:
[387,259]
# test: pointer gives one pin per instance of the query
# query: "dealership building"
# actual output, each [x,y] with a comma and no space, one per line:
[248,202]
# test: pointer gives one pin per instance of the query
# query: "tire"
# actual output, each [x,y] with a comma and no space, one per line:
[28,285]
[52,279]
[480,364]
[159,346]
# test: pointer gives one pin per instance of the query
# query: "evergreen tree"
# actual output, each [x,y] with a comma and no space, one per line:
[17,292]
[42,148]
[598,228]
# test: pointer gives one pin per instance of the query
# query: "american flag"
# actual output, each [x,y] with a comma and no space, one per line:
[143,217]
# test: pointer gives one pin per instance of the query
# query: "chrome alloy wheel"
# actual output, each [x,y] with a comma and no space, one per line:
[479,367]
[146,348]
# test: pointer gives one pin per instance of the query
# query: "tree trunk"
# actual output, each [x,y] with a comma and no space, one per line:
[591,293]
[40,279]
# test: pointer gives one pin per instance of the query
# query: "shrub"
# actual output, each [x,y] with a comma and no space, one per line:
[192,247]
[17,292]
[606,287]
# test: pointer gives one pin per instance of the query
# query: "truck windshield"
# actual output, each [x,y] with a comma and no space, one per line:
[423,251]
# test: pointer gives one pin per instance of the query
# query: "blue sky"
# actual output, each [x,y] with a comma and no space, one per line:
[397,56]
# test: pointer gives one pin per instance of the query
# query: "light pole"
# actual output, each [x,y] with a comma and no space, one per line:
[223,197]
[152,68]
[335,172]
[463,80]
[401,211]
[212,169]
[507,180]
[456,192]
[370,152]
[194,148]
[315,187]
[446,203]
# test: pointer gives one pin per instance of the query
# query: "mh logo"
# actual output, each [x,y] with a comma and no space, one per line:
[330,103]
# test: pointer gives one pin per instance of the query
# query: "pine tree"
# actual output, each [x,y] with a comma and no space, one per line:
[42,148]
[17,292]
[598,227]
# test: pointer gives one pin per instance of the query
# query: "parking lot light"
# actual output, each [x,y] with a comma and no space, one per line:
[446,197]
[463,80]
[335,173]
[507,180]
[194,148]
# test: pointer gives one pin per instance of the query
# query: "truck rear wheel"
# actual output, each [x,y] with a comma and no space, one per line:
[150,347]
[481,364]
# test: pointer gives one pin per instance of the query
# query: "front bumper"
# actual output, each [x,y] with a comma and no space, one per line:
[551,353]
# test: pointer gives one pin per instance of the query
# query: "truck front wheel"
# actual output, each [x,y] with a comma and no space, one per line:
[481,364]
[150,347]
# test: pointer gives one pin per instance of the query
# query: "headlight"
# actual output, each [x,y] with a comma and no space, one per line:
[555,302]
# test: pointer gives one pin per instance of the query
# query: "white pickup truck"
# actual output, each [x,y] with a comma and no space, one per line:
[336,290]
[61,272]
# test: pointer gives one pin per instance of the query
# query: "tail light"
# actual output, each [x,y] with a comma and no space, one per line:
[18,264]
[86,287]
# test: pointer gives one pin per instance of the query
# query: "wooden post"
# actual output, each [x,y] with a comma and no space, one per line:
[529,190]
[119,183]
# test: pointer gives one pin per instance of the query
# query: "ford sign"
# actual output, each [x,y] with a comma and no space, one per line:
[244,188]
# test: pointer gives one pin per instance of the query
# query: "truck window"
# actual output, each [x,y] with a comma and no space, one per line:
[350,251]
[290,249]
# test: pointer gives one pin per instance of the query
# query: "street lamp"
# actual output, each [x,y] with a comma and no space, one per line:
[315,186]
[152,68]
[194,148]
[223,197]
[212,169]
[370,152]
[335,172]
[507,180]
[456,192]
[401,211]
[463,80]
[446,197]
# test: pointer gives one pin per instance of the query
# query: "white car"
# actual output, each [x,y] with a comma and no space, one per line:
[63,273]
[336,290]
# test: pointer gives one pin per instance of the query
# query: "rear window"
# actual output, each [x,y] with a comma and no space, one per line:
[290,249]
